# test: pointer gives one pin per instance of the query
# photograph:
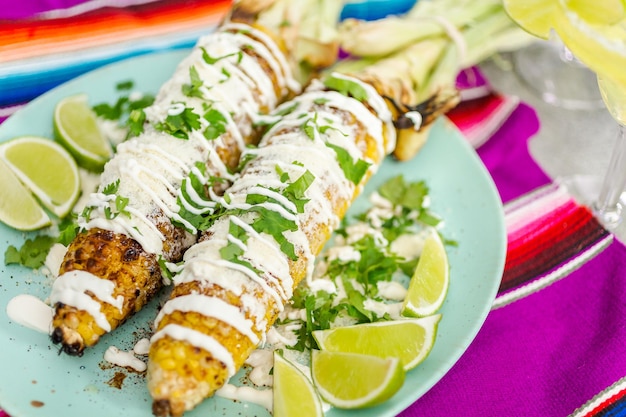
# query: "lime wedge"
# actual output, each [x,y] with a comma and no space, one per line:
[411,340]
[431,279]
[353,380]
[76,128]
[18,207]
[46,169]
[294,393]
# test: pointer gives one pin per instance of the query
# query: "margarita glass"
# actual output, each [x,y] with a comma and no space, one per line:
[594,31]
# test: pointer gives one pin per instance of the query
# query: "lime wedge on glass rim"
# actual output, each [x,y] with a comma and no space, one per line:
[46,169]
[76,128]
[430,281]
[410,340]
[538,17]
[353,380]
[293,392]
[594,31]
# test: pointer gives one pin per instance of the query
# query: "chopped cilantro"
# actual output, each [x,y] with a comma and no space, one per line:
[203,220]
[233,252]
[217,124]
[212,60]
[32,254]
[354,171]
[124,85]
[179,125]
[193,89]
[128,112]
[346,87]
[135,122]
[68,229]
[410,196]
[111,188]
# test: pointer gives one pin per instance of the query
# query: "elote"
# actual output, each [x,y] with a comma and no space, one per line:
[201,121]
[296,186]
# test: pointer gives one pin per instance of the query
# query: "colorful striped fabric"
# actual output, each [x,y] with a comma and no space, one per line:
[39,54]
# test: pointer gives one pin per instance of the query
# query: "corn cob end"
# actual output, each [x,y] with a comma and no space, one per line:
[71,341]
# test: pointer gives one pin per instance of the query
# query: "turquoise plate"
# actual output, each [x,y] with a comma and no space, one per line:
[35,381]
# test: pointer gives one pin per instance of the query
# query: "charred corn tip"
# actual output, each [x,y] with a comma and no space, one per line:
[71,341]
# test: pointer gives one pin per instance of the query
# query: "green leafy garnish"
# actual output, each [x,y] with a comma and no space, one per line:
[32,254]
[180,125]
[193,89]
[124,85]
[212,60]
[111,188]
[346,87]
[135,122]
[354,171]
[401,193]
[217,124]
[232,252]
[127,110]
[208,210]
[68,229]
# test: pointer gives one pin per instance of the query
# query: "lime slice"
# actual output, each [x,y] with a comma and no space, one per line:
[76,128]
[411,340]
[294,393]
[353,380]
[18,207]
[46,169]
[430,281]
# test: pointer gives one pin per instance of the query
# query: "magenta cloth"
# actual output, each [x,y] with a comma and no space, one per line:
[507,158]
[543,355]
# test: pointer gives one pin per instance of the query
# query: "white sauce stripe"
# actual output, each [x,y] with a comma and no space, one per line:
[199,340]
[210,307]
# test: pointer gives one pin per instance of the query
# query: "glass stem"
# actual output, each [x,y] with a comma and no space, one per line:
[607,207]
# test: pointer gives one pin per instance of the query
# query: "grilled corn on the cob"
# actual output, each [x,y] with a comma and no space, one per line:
[198,126]
[275,218]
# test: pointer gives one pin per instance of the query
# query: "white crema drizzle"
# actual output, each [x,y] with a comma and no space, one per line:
[288,147]
[150,168]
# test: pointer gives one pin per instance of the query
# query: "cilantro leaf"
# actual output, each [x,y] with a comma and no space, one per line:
[346,87]
[275,225]
[179,125]
[124,85]
[232,252]
[68,229]
[193,89]
[212,60]
[32,254]
[295,191]
[354,172]
[217,124]
[111,188]
[135,122]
